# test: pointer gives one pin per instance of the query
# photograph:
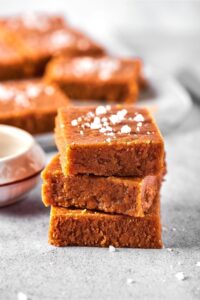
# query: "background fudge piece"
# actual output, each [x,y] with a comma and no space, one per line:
[109,141]
[12,63]
[42,37]
[86,228]
[129,196]
[30,105]
[102,78]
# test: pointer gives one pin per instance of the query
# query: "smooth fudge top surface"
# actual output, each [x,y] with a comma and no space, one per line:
[43,35]
[95,68]
[32,23]
[121,124]
[59,40]
[28,95]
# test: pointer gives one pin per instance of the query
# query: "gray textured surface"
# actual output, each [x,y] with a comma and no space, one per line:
[29,265]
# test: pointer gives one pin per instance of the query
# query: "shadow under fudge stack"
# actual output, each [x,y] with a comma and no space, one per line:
[104,185]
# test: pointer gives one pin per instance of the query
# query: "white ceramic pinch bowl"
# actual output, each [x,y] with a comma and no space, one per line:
[21,161]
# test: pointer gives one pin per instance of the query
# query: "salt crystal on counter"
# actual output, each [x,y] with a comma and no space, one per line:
[180,276]
[129,281]
[112,249]
[21,296]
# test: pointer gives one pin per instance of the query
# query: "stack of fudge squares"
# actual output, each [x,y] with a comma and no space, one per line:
[104,184]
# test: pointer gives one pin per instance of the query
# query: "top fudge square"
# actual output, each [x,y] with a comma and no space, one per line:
[109,141]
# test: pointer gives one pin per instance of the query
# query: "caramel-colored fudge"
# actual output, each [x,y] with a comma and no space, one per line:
[12,63]
[109,141]
[39,37]
[129,196]
[86,228]
[101,78]
[30,104]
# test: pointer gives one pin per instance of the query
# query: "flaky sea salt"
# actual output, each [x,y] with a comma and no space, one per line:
[74,122]
[95,125]
[112,249]
[5,94]
[121,114]
[61,38]
[139,118]
[81,132]
[198,264]
[82,66]
[108,140]
[100,110]
[129,281]
[180,276]
[33,91]
[125,129]
[21,296]
[169,249]
[138,129]
[114,119]
[21,100]
[102,130]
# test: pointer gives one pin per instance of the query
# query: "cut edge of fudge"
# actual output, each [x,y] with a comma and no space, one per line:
[127,195]
[86,228]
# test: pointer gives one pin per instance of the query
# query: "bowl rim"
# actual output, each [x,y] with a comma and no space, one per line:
[24,134]
[22,179]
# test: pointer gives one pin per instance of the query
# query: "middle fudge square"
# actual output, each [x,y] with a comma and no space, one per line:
[127,195]
[109,141]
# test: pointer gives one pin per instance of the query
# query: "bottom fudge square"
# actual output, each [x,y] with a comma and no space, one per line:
[86,228]
[119,140]
[30,104]
[122,195]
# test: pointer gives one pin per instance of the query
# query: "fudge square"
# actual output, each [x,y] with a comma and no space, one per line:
[129,196]
[87,228]
[30,104]
[120,140]
[39,37]
[101,78]
[12,63]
